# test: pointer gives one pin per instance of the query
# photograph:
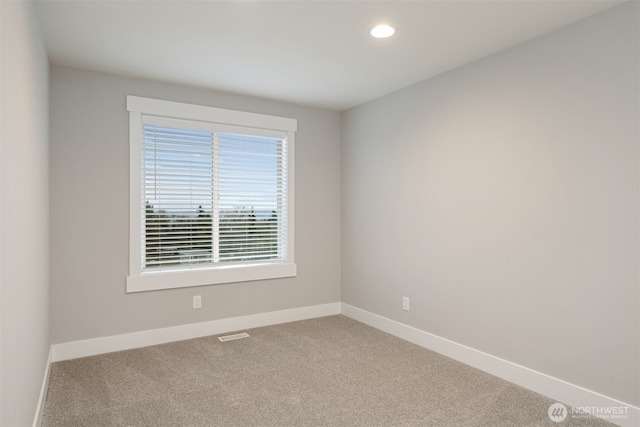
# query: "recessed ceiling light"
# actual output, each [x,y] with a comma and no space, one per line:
[382,31]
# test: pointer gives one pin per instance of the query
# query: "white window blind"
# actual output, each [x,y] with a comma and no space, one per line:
[211,195]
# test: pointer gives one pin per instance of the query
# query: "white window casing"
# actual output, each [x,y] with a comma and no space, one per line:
[211,195]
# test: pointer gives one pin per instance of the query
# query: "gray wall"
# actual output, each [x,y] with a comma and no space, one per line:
[90,211]
[24,201]
[502,199]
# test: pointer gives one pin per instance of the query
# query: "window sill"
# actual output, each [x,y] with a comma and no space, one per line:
[152,281]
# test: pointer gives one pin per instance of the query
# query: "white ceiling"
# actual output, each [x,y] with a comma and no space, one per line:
[315,53]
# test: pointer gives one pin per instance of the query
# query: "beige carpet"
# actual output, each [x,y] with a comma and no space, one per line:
[331,371]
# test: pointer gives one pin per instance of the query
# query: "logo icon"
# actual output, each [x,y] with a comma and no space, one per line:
[557,412]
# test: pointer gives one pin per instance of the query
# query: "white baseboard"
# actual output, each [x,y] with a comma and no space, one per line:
[91,347]
[554,388]
[37,420]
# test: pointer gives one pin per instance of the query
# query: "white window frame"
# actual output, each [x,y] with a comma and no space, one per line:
[139,280]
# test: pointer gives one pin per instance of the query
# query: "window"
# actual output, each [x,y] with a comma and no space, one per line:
[211,195]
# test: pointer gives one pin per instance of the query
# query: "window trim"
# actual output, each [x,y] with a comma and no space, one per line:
[139,281]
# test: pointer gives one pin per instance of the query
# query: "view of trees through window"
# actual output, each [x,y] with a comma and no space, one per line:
[243,234]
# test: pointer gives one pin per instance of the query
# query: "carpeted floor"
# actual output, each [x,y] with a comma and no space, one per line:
[330,371]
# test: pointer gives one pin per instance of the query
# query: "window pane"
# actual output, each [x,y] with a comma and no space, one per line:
[251,197]
[177,193]
[212,197]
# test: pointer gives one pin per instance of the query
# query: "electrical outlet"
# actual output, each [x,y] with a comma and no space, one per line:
[405,303]
[197,301]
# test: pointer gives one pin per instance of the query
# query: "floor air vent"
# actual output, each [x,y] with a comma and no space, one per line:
[234,337]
